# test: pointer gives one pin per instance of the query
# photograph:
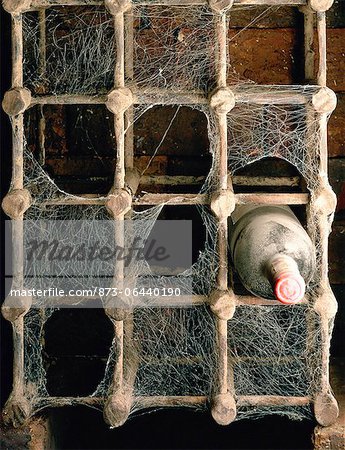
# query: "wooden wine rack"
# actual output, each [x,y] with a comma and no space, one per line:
[222,202]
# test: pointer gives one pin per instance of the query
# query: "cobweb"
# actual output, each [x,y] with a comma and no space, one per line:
[79,51]
[273,350]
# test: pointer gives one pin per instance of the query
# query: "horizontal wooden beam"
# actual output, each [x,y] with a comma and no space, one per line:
[202,199]
[173,401]
[36,4]
[251,300]
[188,199]
[168,97]
[47,3]
[271,2]
[272,199]
[271,400]
[260,95]
[170,401]
[172,199]
[272,95]
[69,99]
[83,199]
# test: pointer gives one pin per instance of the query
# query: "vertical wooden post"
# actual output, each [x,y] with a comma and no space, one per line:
[117,406]
[321,33]
[222,299]
[17,408]
[17,50]
[323,207]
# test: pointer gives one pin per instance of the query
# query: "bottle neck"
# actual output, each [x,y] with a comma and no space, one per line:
[287,282]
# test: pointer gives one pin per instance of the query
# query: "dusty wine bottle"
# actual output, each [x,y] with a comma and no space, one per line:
[271,252]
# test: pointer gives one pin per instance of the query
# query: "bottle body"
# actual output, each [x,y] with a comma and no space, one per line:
[271,252]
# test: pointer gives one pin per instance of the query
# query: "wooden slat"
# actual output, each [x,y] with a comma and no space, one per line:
[172,199]
[272,400]
[46,3]
[71,201]
[266,181]
[173,401]
[70,99]
[273,199]
[261,95]
[189,199]
[251,300]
